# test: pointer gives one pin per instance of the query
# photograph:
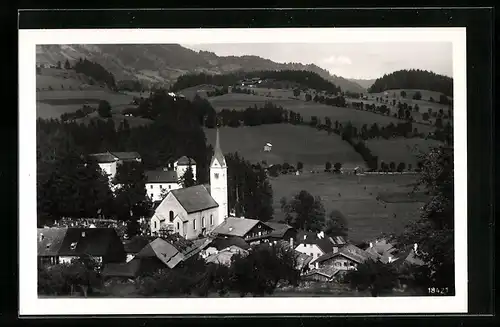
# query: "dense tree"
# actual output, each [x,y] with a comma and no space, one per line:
[250,192]
[401,167]
[417,96]
[336,224]
[104,109]
[300,166]
[377,277]
[58,66]
[433,232]
[304,211]
[296,92]
[413,79]
[96,72]
[337,166]
[131,198]
[187,179]
[328,166]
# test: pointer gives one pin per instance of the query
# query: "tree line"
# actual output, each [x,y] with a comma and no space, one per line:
[305,78]
[413,79]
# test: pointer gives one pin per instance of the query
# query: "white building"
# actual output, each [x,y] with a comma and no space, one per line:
[182,164]
[108,161]
[195,210]
[317,245]
[268,147]
[160,182]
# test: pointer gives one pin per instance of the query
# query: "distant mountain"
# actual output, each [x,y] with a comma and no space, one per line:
[364,83]
[164,63]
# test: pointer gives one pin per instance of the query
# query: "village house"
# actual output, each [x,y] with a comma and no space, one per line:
[160,182]
[279,232]
[242,227]
[347,258]
[102,244]
[317,245]
[182,164]
[108,161]
[195,211]
[225,256]
[268,147]
[324,274]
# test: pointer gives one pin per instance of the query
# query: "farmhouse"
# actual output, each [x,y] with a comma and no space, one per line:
[325,274]
[102,244]
[316,245]
[347,258]
[224,256]
[108,161]
[268,147]
[242,227]
[279,232]
[159,182]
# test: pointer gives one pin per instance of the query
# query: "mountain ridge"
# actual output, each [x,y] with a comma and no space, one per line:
[164,63]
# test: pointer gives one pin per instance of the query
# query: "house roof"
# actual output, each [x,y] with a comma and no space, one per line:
[409,257]
[162,250]
[279,229]
[51,242]
[135,244]
[184,161]
[236,226]
[225,256]
[113,156]
[161,176]
[302,259]
[184,246]
[349,251]
[195,198]
[221,243]
[89,241]
[327,271]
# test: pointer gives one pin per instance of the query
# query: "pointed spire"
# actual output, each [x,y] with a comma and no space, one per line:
[218,155]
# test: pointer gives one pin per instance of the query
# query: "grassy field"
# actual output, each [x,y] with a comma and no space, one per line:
[307,109]
[51,104]
[117,119]
[290,144]
[400,149]
[356,198]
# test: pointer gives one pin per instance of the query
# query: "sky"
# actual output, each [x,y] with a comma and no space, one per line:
[349,60]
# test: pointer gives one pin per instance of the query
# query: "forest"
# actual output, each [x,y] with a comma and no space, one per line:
[95,71]
[306,79]
[414,79]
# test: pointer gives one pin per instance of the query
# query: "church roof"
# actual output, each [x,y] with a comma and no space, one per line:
[218,152]
[184,161]
[161,176]
[195,198]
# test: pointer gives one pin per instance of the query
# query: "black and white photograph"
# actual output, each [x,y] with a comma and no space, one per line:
[226,171]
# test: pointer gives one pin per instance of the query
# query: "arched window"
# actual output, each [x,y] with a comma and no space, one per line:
[171,216]
[178,226]
[202,222]
[211,220]
[155,224]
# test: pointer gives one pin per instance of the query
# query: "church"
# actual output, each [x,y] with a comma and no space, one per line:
[196,210]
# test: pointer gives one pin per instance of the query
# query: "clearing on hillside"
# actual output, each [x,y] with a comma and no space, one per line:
[307,109]
[51,104]
[367,217]
[290,144]
[400,149]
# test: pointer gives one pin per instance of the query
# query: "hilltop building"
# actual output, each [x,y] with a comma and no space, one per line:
[195,210]
[108,161]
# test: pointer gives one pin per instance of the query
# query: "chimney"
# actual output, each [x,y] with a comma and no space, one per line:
[83,234]
[291,242]
[371,244]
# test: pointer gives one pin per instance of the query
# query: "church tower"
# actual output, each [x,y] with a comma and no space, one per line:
[218,181]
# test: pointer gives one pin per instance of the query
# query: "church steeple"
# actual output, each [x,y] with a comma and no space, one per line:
[218,152]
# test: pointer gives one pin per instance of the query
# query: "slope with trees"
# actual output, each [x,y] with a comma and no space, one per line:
[414,79]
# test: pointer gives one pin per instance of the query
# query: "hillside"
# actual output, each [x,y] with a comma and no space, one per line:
[364,83]
[163,64]
[414,79]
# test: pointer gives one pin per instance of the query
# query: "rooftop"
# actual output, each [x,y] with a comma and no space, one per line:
[184,161]
[195,198]
[161,176]
[105,157]
[236,226]
[50,240]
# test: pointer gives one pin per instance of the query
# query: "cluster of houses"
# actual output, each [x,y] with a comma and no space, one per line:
[319,257]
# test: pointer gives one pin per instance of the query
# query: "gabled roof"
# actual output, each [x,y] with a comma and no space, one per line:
[327,271]
[51,242]
[184,161]
[127,270]
[162,250]
[236,226]
[220,243]
[161,176]
[279,229]
[350,252]
[105,157]
[195,198]
[218,155]
[89,241]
